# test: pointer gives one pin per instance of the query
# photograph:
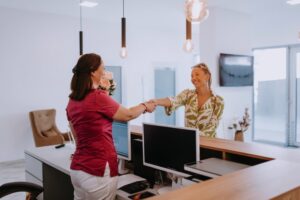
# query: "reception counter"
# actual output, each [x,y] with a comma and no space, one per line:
[274,172]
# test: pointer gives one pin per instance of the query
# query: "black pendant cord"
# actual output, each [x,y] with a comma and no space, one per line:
[80,34]
[123,9]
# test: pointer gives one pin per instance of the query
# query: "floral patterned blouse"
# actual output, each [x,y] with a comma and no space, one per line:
[206,118]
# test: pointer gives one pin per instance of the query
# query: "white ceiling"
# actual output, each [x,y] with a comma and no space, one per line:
[249,6]
[139,7]
[163,13]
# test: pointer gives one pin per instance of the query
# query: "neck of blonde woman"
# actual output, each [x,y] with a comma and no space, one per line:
[203,91]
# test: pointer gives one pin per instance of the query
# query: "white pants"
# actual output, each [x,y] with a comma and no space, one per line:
[90,187]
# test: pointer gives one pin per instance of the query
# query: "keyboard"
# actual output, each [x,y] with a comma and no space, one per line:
[142,195]
[135,187]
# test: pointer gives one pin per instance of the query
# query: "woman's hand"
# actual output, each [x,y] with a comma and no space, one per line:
[161,102]
[150,106]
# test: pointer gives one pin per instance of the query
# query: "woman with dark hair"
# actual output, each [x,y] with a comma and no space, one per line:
[91,112]
[203,109]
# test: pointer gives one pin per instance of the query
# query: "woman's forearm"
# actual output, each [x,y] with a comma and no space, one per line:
[124,114]
[135,111]
[163,102]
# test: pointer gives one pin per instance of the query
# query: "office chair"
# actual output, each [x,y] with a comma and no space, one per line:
[44,129]
[13,187]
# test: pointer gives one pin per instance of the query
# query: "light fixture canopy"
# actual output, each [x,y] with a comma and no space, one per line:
[293,2]
[89,4]
[196,10]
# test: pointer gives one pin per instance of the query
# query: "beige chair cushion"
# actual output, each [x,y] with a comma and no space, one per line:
[49,133]
[45,120]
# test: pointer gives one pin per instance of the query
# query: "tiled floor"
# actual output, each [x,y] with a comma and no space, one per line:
[13,171]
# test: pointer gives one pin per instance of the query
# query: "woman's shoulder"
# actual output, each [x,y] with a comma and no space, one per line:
[97,94]
[218,99]
[101,97]
[189,91]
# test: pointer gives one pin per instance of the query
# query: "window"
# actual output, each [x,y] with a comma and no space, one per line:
[164,87]
[270,95]
[275,94]
[295,86]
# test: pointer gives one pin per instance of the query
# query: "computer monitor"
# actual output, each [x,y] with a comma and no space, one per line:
[168,148]
[121,137]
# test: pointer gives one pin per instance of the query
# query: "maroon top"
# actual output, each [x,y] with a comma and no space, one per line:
[92,122]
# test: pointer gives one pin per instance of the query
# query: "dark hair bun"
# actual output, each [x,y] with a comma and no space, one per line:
[74,70]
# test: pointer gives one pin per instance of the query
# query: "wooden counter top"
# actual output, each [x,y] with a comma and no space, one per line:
[255,150]
[264,181]
[278,178]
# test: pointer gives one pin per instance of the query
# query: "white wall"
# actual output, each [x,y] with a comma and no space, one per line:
[38,51]
[280,26]
[227,31]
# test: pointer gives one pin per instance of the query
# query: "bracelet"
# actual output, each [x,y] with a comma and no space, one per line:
[145,107]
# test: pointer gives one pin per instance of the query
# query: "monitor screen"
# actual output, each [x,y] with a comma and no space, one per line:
[121,137]
[168,148]
[236,70]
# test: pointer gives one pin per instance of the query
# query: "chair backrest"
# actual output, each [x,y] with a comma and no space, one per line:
[13,187]
[44,128]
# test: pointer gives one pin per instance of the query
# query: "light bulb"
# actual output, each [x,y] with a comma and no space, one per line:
[123,52]
[188,46]
[196,11]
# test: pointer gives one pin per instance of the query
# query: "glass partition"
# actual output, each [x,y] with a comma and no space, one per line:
[270,95]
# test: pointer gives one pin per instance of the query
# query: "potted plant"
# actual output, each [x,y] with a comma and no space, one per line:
[241,126]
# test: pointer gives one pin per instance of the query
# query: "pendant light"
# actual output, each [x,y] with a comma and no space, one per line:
[80,33]
[123,52]
[196,10]
[188,45]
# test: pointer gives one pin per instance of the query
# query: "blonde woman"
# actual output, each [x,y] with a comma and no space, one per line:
[203,109]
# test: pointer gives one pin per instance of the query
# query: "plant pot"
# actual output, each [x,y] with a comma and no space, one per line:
[239,136]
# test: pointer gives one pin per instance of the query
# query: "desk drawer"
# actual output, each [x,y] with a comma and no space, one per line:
[32,179]
[34,167]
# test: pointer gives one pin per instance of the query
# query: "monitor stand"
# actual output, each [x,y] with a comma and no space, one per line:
[176,183]
[121,167]
[164,190]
